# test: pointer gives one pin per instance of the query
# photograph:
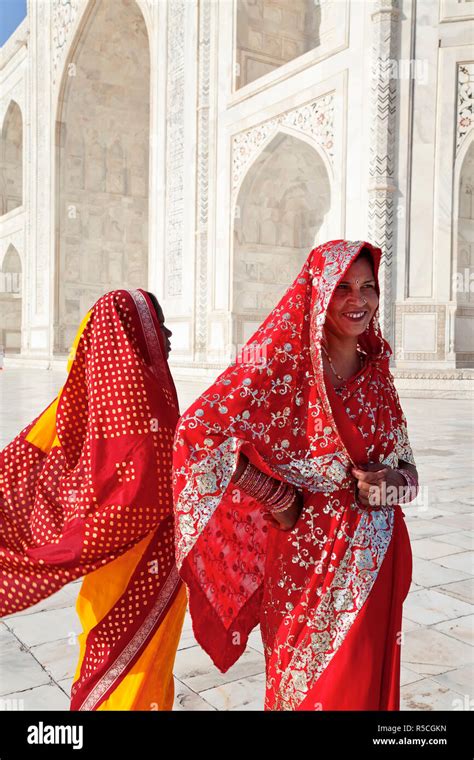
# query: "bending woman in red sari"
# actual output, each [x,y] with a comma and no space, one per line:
[85,490]
[288,480]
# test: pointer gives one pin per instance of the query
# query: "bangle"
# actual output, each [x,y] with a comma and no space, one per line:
[411,486]
[276,495]
[286,502]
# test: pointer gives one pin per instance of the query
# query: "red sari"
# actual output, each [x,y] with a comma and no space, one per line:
[88,480]
[328,594]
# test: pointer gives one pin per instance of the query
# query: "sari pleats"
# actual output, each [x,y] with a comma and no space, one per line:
[364,674]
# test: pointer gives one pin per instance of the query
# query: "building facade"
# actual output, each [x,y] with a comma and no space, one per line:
[202,148]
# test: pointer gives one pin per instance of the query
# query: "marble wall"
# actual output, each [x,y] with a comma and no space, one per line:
[13,220]
[201,148]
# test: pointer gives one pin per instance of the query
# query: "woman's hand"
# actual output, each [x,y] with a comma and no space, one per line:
[286,520]
[281,520]
[378,485]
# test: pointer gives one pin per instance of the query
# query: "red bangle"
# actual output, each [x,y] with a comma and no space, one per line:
[276,495]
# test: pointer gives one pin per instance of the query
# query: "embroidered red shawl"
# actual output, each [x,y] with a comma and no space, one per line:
[273,405]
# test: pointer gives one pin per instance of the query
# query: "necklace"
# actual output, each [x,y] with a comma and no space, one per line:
[339,377]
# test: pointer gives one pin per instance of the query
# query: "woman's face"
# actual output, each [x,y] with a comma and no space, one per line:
[353,302]
[166,332]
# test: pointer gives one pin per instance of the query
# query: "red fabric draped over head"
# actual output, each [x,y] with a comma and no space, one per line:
[273,405]
[105,482]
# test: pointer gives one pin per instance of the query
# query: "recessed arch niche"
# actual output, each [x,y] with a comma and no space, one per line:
[281,213]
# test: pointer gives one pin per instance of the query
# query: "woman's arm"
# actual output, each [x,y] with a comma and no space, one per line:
[272,493]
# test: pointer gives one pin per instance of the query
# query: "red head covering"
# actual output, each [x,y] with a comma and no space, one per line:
[273,405]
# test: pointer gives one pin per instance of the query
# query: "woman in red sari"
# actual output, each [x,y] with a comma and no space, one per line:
[288,477]
[85,490]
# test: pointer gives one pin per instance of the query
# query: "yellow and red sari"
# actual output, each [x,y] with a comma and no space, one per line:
[328,594]
[85,489]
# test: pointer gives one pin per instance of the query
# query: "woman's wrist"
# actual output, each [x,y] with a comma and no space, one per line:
[410,490]
[397,478]
[274,494]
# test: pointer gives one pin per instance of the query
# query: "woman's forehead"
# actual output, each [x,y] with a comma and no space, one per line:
[357,270]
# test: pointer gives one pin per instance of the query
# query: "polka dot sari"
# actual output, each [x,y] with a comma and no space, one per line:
[88,481]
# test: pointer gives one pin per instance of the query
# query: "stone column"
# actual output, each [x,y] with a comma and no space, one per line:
[206,59]
[382,169]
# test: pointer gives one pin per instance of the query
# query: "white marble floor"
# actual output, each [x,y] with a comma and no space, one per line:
[38,647]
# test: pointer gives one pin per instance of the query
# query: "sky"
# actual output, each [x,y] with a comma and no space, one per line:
[12,13]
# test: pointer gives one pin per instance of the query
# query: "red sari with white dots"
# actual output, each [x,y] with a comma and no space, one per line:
[91,477]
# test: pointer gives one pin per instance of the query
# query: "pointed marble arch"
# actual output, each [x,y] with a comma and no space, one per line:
[69,18]
[465,153]
[6,105]
[281,212]
[101,174]
[11,298]
[253,142]
[462,270]
[9,255]
[11,177]
[265,154]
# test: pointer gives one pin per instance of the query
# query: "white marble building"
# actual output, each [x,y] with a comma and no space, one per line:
[201,148]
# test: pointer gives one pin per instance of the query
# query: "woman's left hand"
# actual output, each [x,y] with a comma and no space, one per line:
[286,520]
[378,485]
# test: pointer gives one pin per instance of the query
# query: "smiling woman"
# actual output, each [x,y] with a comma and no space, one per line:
[326,577]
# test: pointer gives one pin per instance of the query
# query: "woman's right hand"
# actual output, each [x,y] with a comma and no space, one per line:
[286,520]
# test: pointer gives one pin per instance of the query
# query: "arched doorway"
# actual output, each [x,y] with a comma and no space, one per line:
[11,176]
[10,301]
[102,164]
[281,214]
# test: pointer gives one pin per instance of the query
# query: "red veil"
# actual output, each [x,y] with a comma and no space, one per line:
[91,476]
[273,404]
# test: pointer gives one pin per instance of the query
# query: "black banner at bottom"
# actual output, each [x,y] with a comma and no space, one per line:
[137,734]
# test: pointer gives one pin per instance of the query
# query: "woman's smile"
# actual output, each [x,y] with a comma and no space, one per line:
[355,316]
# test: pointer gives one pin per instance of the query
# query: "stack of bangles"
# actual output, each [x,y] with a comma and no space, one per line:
[411,488]
[274,494]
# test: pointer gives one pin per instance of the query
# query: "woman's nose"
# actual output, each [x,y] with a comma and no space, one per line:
[357,296]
